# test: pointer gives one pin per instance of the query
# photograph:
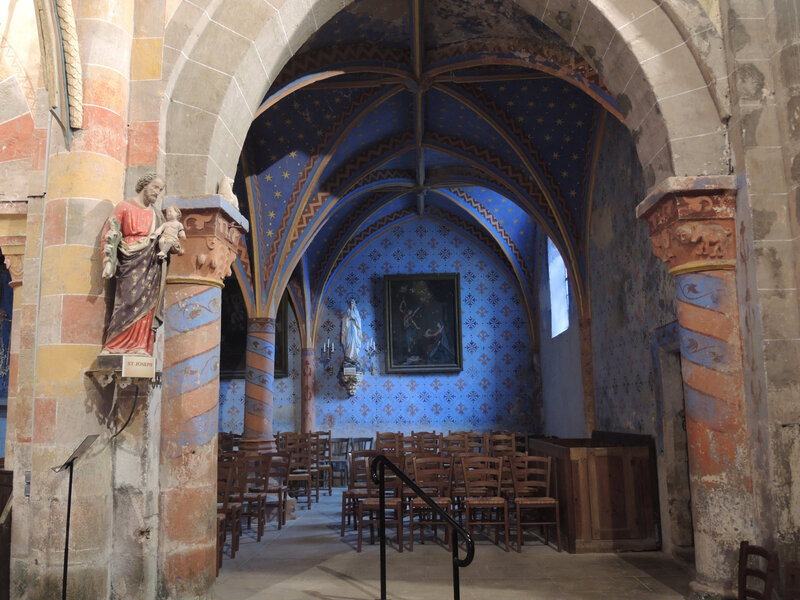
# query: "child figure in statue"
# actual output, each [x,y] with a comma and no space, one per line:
[169,233]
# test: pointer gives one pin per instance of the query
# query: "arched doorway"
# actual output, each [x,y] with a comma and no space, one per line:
[422,165]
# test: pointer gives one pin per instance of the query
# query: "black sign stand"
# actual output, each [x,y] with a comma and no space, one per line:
[68,464]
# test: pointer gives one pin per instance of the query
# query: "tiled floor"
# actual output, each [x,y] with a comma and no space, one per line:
[308,560]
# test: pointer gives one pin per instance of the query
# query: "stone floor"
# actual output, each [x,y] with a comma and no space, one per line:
[308,560]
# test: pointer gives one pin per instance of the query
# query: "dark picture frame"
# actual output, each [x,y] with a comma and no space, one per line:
[233,334]
[423,323]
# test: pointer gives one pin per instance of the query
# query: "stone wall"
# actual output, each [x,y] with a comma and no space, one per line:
[562,387]
[632,292]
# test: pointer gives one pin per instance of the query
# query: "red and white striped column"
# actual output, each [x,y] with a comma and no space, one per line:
[692,227]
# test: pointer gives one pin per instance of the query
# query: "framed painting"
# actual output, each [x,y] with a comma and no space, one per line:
[423,323]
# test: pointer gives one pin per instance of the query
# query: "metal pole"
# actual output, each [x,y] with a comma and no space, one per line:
[456,586]
[382,525]
[66,536]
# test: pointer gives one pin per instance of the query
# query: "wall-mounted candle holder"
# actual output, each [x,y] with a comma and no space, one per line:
[326,353]
[371,351]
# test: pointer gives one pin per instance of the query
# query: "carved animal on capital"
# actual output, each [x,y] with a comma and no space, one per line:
[225,189]
[711,240]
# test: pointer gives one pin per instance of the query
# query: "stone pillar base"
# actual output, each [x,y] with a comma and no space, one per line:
[703,591]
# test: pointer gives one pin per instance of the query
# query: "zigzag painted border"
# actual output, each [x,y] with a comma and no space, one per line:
[500,165]
[356,240]
[486,214]
[372,154]
[306,173]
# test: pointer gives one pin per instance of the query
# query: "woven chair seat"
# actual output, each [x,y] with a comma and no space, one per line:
[486,501]
[540,501]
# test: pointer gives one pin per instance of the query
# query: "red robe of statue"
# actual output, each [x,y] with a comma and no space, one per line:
[139,294]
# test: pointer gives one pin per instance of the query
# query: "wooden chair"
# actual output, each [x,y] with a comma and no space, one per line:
[340,464]
[428,442]
[251,491]
[499,444]
[302,474]
[225,441]
[793,581]
[357,487]
[758,569]
[278,488]
[484,506]
[531,479]
[368,509]
[221,535]
[476,442]
[432,474]
[226,482]
[458,490]
[361,443]
[389,442]
[507,487]
[454,443]
[322,460]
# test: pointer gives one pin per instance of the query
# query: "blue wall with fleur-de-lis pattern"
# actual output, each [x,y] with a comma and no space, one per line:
[493,391]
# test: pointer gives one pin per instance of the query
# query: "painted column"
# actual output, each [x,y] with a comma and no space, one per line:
[190,398]
[308,406]
[259,376]
[692,226]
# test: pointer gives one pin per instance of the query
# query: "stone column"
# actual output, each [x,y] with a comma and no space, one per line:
[13,254]
[308,413]
[692,226]
[259,376]
[190,398]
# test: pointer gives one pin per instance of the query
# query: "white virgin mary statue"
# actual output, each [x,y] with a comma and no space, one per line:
[351,333]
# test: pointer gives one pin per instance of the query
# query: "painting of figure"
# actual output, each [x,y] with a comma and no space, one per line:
[423,323]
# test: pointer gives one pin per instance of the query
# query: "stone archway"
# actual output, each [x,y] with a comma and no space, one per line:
[664,73]
[667,88]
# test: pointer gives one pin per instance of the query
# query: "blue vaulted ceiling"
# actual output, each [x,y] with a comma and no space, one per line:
[471,112]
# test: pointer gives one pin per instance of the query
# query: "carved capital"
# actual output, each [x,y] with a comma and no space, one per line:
[13,248]
[261,325]
[211,246]
[693,228]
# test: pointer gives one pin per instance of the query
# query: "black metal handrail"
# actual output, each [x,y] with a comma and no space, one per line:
[378,474]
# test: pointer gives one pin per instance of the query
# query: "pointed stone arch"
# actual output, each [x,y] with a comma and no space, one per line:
[666,73]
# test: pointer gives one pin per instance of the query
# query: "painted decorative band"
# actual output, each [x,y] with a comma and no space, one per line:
[260,346]
[261,325]
[259,378]
[191,313]
[704,265]
[192,373]
[257,408]
[195,281]
[704,291]
[704,350]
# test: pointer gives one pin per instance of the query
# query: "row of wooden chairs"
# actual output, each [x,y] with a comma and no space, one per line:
[248,485]
[491,443]
[476,489]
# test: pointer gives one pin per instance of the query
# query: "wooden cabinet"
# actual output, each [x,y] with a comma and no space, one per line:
[607,490]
